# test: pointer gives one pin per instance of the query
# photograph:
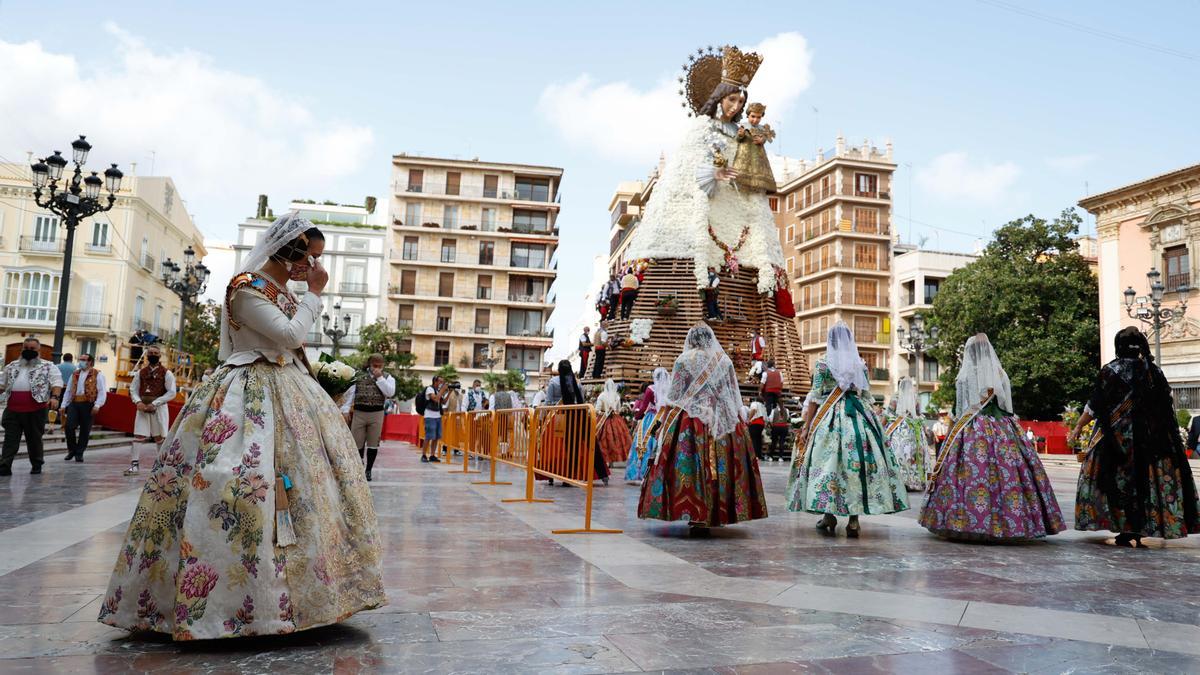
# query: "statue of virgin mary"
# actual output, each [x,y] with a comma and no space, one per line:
[697,211]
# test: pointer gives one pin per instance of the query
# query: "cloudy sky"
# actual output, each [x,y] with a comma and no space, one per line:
[996,108]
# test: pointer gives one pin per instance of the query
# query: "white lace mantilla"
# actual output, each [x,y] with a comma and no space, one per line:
[680,210]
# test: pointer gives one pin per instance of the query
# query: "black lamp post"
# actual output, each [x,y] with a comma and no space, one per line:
[187,282]
[75,199]
[334,329]
[490,356]
[916,340]
[1150,310]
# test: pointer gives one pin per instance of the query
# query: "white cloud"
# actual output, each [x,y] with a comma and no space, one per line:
[1071,162]
[953,176]
[621,122]
[223,136]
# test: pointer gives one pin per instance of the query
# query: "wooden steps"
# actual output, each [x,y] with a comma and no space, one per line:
[744,309]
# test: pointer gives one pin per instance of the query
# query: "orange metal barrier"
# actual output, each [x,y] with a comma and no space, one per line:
[556,442]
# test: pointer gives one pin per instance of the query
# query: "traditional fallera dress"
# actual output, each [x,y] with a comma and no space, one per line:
[256,518]
[612,431]
[989,483]
[846,467]
[699,476]
[643,444]
[1135,476]
[909,442]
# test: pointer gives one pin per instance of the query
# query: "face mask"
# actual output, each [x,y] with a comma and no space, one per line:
[152,359]
[29,354]
[83,365]
[298,272]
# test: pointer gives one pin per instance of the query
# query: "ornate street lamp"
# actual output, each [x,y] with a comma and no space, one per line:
[916,341]
[490,356]
[78,197]
[334,329]
[187,282]
[1150,310]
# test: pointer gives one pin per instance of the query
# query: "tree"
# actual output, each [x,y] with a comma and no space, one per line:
[448,373]
[398,359]
[513,379]
[1037,300]
[201,333]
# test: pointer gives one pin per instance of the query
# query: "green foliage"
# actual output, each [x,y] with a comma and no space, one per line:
[448,373]
[201,334]
[513,379]
[1183,417]
[398,360]
[1037,300]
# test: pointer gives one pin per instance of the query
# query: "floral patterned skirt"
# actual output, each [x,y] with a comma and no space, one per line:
[702,479]
[848,468]
[991,486]
[1165,514]
[913,453]
[614,439]
[202,557]
[641,449]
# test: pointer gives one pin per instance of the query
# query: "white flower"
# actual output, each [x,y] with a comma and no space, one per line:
[639,330]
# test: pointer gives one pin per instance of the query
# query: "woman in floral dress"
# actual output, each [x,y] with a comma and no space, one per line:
[612,432]
[843,466]
[988,484]
[1135,478]
[644,444]
[256,518]
[906,435]
[705,472]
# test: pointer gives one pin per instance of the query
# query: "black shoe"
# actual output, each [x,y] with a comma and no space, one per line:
[5,472]
[36,469]
[69,457]
[79,458]
[435,459]
[424,458]
[368,476]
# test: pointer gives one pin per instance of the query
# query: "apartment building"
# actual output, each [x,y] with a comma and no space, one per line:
[834,218]
[473,262]
[625,210]
[356,259]
[117,265]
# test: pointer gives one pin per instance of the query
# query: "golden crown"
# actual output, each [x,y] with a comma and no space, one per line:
[738,67]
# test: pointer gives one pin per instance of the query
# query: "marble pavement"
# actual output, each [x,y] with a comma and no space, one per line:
[476,585]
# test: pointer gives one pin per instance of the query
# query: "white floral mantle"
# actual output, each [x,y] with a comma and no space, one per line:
[639,330]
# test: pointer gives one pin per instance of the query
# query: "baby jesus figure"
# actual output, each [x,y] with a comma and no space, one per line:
[751,163]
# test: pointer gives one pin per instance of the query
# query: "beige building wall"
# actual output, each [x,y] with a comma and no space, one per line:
[834,219]
[473,262]
[116,284]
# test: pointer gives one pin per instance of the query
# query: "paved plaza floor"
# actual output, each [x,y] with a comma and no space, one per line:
[476,585]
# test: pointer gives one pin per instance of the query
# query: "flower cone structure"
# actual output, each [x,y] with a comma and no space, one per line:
[745,310]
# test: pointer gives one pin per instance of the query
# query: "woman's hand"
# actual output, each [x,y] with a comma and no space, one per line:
[725,173]
[1073,437]
[318,276]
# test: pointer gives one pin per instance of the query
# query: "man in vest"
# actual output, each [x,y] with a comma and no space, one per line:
[474,398]
[503,399]
[152,388]
[86,393]
[772,385]
[758,347]
[29,387]
[364,406]
[600,345]
[585,350]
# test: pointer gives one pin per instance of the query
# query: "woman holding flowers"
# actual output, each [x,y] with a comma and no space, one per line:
[256,518]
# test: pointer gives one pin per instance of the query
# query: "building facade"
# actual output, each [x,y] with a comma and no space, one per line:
[917,276]
[1152,224]
[117,265]
[834,218]
[356,259]
[625,211]
[473,262]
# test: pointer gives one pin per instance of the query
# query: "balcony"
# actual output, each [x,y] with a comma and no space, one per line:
[96,320]
[137,324]
[879,374]
[517,297]
[404,324]
[462,225]
[40,246]
[98,249]
[353,288]
[472,192]
[147,262]
[878,264]
[867,299]
[814,301]
[1177,282]
[482,330]
[28,314]
[524,332]
[443,324]
[483,293]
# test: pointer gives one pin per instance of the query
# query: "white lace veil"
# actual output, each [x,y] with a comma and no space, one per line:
[704,383]
[662,387]
[609,401]
[906,398]
[980,371]
[285,229]
[841,355]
